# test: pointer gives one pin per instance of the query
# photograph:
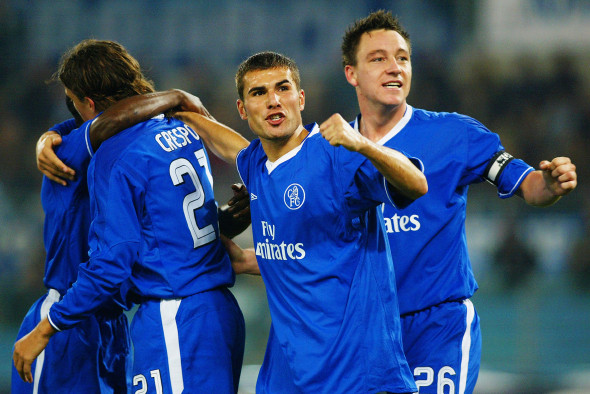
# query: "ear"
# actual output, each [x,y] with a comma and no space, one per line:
[241,109]
[301,100]
[350,74]
[89,103]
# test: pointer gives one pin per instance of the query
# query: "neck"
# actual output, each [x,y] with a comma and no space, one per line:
[376,122]
[275,148]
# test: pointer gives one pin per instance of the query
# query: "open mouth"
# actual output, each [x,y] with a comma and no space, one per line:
[275,118]
[394,84]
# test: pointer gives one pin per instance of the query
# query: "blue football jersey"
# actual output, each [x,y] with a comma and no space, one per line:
[154,232]
[324,259]
[428,236]
[67,211]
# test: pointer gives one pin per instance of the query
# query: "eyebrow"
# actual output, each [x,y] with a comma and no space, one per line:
[262,88]
[384,52]
[376,52]
[284,81]
[256,89]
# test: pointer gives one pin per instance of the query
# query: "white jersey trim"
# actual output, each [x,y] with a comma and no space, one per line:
[52,298]
[396,129]
[466,346]
[87,138]
[168,310]
[518,182]
[271,165]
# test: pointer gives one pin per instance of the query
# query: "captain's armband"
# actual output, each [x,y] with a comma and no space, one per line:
[496,165]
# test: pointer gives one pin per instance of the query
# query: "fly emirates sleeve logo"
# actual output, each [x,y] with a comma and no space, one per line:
[273,250]
[397,223]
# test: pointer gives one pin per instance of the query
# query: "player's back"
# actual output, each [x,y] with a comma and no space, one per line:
[67,214]
[162,167]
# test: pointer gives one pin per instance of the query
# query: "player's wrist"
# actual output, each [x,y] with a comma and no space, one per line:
[45,329]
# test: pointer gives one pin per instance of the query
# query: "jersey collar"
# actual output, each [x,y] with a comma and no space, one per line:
[271,165]
[396,129]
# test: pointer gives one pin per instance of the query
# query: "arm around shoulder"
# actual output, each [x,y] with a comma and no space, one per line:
[223,141]
[131,110]
[47,161]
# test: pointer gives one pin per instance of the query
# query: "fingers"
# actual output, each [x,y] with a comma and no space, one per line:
[338,132]
[560,168]
[563,172]
[194,104]
[47,161]
[239,189]
[57,174]
[239,204]
[563,162]
[22,367]
[28,376]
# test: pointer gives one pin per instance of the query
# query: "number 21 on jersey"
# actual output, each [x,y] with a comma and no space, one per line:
[195,200]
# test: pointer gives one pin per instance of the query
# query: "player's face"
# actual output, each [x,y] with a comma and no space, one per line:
[84,107]
[272,104]
[383,73]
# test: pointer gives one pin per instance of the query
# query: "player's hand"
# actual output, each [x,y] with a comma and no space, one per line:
[239,204]
[29,347]
[560,175]
[338,132]
[234,217]
[192,103]
[48,162]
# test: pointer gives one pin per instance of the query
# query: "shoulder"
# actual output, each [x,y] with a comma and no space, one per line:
[315,140]
[252,150]
[250,156]
[442,117]
[449,121]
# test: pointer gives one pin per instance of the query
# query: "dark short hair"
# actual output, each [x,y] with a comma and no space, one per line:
[264,61]
[103,71]
[375,21]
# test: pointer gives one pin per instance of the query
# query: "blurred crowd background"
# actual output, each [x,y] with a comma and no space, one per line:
[521,67]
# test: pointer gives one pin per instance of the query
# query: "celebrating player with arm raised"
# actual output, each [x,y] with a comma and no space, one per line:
[441,333]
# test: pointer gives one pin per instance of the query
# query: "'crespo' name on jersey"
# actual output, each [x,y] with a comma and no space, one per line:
[396,224]
[178,137]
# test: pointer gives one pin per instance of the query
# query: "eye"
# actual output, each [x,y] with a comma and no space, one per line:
[283,88]
[378,59]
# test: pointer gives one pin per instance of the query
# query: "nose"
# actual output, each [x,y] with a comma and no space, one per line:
[273,100]
[394,68]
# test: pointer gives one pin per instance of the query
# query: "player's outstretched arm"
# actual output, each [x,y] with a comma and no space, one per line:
[399,171]
[29,347]
[243,261]
[222,140]
[546,186]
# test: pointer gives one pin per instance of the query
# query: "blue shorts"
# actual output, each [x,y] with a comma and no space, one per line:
[443,347]
[91,357]
[195,344]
